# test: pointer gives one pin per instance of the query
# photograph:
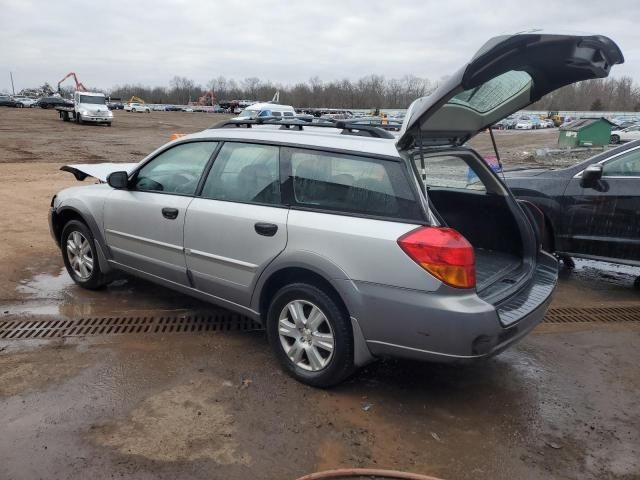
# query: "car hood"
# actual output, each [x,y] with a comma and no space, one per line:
[97,170]
[94,107]
[507,74]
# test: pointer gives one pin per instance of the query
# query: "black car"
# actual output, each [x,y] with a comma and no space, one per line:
[53,101]
[7,101]
[592,209]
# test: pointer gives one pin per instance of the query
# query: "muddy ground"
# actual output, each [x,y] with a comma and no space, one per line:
[561,404]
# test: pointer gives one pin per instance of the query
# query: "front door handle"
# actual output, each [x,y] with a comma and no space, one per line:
[170,213]
[266,229]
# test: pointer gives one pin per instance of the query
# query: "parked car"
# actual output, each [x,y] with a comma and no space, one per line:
[258,110]
[7,101]
[115,105]
[536,123]
[590,209]
[333,239]
[524,122]
[387,124]
[626,135]
[137,107]
[25,102]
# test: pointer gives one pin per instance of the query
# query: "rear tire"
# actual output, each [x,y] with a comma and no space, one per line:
[319,344]
[80,256]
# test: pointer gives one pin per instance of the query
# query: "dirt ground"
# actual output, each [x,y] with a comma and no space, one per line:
[561,404]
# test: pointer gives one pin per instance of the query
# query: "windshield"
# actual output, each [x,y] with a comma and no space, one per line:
[249,113]
[91,99]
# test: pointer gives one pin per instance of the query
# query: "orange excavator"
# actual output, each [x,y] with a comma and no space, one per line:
[79,85]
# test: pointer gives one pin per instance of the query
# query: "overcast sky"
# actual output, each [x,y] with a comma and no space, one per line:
[115,42]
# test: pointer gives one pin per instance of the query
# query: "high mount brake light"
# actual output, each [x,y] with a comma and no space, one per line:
[444,253]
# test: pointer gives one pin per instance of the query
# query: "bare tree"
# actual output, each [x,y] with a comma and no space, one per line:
[374,91]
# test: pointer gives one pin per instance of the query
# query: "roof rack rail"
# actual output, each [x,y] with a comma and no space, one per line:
[345,125]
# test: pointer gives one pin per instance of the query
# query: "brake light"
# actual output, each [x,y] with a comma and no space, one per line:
[444,253]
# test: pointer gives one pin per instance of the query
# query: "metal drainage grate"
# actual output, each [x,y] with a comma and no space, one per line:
[593,314]
[17,330]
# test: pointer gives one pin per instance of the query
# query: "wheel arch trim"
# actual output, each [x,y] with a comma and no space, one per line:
[89,221]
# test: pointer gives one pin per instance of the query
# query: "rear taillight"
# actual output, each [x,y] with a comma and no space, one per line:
[444,253]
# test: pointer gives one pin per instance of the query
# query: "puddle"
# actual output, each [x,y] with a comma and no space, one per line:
[603,271]
[45,285]
[55,294]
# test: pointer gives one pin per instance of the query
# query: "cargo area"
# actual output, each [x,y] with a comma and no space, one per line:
[488,223]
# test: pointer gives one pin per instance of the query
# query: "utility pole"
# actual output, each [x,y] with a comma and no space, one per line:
[12,87]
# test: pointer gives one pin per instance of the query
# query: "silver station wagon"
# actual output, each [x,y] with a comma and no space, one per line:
[345,242]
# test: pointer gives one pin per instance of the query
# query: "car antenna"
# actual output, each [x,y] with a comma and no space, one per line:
[495,149]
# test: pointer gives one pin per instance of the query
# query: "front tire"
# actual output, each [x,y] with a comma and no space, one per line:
[311,335]
[80,255]
[615,139]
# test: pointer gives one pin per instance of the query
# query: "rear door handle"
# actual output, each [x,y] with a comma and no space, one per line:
[170,213]
[266,229]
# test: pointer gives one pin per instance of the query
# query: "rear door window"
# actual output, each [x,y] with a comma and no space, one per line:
[349,183]
[245,172]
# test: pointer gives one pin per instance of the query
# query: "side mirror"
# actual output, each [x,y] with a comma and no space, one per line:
[118,180]
[591,176]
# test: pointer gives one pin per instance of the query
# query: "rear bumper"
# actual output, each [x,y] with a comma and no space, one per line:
[450,326]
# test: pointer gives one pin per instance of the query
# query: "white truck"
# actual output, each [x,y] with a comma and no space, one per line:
[89,107]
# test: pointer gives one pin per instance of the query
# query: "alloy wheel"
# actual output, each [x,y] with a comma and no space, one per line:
[306,335]
[80,255]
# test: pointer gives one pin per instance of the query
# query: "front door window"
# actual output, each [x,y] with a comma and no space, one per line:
[176,170]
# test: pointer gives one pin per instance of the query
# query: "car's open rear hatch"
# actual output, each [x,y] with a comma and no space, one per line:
[507,74]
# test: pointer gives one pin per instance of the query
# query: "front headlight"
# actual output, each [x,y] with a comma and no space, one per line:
[84,112]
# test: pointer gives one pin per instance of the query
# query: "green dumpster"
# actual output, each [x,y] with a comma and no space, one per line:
[585,132]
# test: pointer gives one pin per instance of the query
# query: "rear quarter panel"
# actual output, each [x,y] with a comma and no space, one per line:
[365,249]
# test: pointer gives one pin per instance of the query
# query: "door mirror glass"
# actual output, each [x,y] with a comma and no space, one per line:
[591,176]
[118,180]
